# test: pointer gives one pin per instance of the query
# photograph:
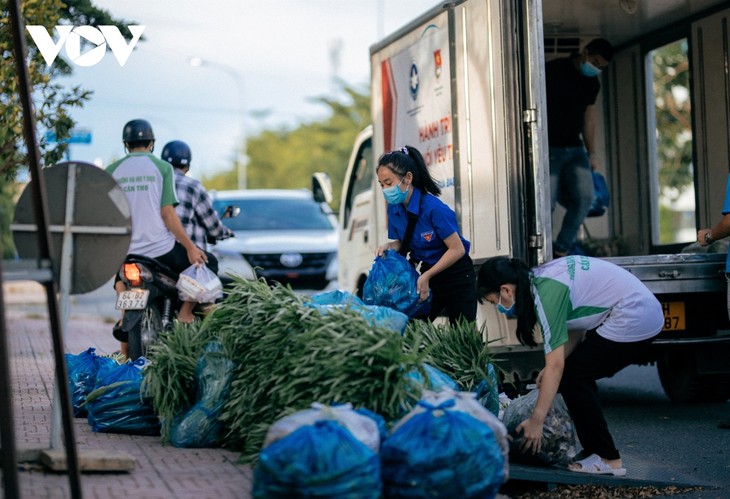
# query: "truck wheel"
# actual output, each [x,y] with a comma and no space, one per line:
[682,383]
[144,334]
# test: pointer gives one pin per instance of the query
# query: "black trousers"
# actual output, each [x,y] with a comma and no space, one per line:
[177,259]
[593,359]
[454,291]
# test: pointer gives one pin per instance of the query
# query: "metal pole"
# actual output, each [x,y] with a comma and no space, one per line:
[7,435]
[44,242]
[66,270]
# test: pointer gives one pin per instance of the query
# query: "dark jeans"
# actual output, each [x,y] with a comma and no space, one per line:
[571,184]
[595,358]
[454,291]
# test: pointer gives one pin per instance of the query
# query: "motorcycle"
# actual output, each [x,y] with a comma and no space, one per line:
[150,301]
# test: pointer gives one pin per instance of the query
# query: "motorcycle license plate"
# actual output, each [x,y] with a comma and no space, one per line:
[135,299]
[674,316]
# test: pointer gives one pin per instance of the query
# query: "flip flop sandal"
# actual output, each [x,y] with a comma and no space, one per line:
[594,465]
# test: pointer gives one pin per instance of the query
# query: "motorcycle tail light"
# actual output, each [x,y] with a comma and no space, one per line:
[131,273]
[134,274]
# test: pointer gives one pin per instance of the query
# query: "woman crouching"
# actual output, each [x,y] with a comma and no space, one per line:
[596,318]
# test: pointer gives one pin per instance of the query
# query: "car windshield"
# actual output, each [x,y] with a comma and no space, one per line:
[275,214]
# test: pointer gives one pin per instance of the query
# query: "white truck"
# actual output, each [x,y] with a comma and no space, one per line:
[464,83]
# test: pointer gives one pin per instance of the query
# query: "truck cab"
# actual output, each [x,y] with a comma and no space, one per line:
[464,83]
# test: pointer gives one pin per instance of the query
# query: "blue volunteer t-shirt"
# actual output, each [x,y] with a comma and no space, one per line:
[436,222]
[725,211]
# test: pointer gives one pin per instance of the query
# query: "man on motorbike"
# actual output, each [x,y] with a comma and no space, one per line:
[157,232]
[200,220]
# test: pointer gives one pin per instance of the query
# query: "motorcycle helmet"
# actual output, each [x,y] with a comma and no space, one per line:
[178,153]
[137,130]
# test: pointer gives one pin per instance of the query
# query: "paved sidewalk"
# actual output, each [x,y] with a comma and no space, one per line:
[161,471]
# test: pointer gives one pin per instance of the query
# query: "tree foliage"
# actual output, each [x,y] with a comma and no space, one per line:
[286,158]
[673,116]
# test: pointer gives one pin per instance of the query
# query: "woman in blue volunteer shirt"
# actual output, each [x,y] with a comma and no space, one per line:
[433,240]
[595,318]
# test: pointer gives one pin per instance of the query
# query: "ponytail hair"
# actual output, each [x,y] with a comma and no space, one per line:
[500,270]
[409,159]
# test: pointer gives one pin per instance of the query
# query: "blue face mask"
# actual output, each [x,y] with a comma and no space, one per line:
[510,312]
[393,194]
[589,70]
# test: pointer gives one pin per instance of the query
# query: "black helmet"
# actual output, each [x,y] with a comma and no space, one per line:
[178,153]
[137,130]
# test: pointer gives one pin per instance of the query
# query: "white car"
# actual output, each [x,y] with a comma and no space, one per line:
[281,235]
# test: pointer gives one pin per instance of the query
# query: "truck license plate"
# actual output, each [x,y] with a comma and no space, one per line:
[673,316]
[135,299]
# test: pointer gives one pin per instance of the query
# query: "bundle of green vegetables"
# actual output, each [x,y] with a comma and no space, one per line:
[457,350]
[287,356]
[169,380]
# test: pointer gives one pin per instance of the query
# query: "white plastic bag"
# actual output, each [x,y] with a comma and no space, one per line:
[362,427]
[200,284]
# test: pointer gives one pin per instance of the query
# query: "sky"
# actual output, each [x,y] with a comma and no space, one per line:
[263,63]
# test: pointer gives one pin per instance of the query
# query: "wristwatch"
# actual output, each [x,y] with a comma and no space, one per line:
[708,239]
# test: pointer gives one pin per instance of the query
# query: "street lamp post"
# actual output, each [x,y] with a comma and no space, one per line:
[198,62]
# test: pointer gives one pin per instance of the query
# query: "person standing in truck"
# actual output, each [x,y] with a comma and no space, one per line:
[421,224]
[572,87]
[595,318]
[705,237]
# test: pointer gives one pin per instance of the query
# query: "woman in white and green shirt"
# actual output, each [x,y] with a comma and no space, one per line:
[595,318]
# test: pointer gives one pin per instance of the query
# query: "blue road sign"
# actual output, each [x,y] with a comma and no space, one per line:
[78,136]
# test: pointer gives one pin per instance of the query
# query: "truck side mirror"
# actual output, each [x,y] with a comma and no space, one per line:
[321,187]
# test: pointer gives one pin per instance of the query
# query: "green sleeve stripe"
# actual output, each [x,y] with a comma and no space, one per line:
[587,311]
[553,307]
[110,169]
[168,181]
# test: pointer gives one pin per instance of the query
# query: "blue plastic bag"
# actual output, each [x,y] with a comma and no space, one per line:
[379,420]
[385,317]
[488,391]
[442,453]
[376,315]
[337,297]
[111,373]
[435,379]
[201,425]
[82,370]
[319,460]
[601,197]
[120,408]
[392,283]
